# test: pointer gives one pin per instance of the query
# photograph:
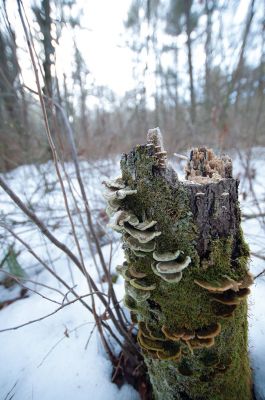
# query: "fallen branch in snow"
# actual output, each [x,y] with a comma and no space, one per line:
[13,328]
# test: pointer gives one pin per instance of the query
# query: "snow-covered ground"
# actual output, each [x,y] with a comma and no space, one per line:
[61,357]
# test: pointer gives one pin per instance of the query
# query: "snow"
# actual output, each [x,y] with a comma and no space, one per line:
[58,357]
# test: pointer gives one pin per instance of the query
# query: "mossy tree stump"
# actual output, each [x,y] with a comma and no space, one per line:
[186,275]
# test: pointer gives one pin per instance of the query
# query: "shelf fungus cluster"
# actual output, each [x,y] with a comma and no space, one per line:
[226,294]
[195,339]
[115,192]
[137,288]
[168,266]
[156,345]
[155,140]
[138,235]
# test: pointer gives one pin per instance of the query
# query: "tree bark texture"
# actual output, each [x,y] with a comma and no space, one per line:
[186,277]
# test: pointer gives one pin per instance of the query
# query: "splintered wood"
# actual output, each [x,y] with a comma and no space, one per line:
[204,166]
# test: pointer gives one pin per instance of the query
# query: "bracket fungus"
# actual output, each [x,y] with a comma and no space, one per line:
[138,295]
[142,285]
[150,333]
[167,256]
[173,354]
[139,253]
[222,310]
[135,245]
[168,277]
[156,333]
[126,216]
[143,329]
[136,274]
[140,235]
[169,334]
[171,267]
[230,297]
[120,194]
[219,286]
[112,207]
[200,343]
[180,333]
[149,344]
[209,331]
[116,183]
[143,226]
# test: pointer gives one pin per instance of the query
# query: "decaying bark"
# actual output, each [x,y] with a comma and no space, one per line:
[186,276]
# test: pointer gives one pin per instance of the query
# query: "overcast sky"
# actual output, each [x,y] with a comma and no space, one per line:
[102,43]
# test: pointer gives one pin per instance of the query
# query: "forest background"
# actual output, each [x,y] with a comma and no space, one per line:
[194,68]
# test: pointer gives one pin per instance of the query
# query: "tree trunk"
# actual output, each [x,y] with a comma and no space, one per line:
[186,276]
[188,4]
[209,8]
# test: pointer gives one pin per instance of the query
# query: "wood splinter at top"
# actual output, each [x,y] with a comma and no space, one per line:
[155,139]
[204,166]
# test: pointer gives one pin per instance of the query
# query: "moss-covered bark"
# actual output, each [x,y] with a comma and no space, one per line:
[191,308]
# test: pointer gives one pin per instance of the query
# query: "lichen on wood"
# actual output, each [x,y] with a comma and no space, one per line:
[191,306]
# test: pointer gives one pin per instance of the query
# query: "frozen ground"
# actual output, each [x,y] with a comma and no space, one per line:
[61,357]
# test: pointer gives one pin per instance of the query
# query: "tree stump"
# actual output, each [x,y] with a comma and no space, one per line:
[186,271]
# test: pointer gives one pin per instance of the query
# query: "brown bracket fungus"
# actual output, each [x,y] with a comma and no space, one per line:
[209,331]
[143,330]
[149,344]
[169,334]
[219,286]
[170,354]
[177,334]
[200,343]
[222,310]
[156,333]
[230,297]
